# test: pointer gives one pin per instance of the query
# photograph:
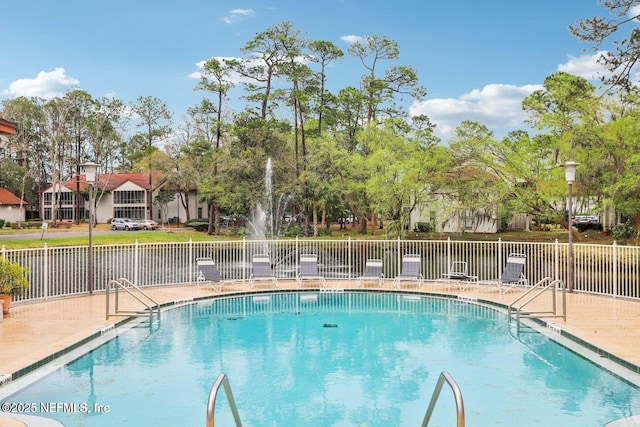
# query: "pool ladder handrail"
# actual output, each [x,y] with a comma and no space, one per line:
[211,403]
[539,289]
[457,394]
[125,284]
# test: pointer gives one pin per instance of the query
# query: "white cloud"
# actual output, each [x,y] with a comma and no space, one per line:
[497,106]
[351,39]
[233,76]
[237,14]
[585,66]
[46,85]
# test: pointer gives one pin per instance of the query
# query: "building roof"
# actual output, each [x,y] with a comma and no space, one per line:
[7,127]
[111,181]
[8,198]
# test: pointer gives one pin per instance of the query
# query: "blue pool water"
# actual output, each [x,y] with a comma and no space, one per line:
[331,360]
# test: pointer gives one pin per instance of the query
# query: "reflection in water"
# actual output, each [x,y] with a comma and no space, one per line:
[376,367]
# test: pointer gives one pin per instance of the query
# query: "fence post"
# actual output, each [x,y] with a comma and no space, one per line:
[556,259]
[45,271]
[136,263]
[398,259]
[244,259]
[614,269]
[448,254]
[499,258]
[298,255]
[350,257]
[191,261]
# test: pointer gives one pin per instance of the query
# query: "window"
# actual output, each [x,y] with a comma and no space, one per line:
[129,212]
[128,197]
[66,199]
[65,213]
[466,218]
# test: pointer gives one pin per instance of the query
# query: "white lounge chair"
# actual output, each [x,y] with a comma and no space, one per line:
[372,271]
[411,264]
[261,270]
[309,269]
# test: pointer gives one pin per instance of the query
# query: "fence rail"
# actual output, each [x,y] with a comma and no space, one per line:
[62,271]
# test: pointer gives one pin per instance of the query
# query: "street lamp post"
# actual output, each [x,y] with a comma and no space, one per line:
[90,170]
[570,176]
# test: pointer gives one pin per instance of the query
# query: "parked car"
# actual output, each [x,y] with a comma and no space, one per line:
[586,219]
[147,224]
[124,224]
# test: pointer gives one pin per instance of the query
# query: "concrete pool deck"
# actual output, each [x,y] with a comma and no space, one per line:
[33,333]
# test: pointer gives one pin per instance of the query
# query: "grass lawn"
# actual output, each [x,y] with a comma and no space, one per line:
[34,238]
[78,235]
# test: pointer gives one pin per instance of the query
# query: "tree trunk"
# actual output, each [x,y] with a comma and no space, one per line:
[315,219]
[212,210]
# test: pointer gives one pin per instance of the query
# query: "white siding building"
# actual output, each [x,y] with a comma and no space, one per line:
[116,196]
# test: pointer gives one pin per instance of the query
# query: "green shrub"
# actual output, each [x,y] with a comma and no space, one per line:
[582,227]
[13,277]
[2,221]
[198,225]
[322,232]
[293,231]
[622,231]
[423,227]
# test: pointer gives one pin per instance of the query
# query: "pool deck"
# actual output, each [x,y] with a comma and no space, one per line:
[33,332]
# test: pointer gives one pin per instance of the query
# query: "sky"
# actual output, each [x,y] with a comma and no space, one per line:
[477,59]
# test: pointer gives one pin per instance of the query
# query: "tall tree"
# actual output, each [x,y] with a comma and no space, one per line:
[516,171]
[216,78]
[380,89]
[622,59]
[407,168]
[28,147]
[260,68]
[350,116]
[154,118]
[324,53]
[107,124]
[81,106]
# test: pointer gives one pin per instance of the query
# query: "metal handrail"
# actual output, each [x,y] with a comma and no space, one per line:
[125,284]
[211,403]
[457,394]
[540,288]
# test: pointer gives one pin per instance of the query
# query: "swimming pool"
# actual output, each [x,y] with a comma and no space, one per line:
[331,359]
